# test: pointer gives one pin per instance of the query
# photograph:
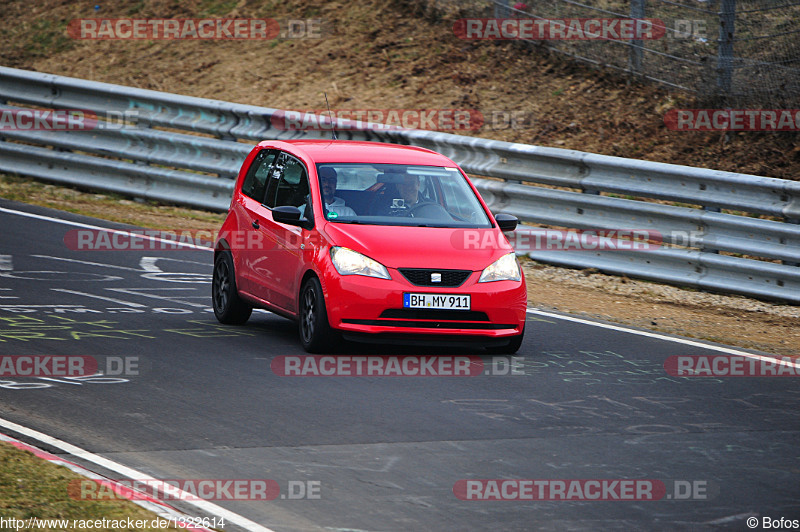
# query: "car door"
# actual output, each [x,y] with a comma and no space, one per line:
[249,213]
[275,270]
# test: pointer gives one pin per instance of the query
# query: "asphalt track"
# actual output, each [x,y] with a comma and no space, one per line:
[384,452]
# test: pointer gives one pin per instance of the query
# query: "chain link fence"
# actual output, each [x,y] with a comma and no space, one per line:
[730,52]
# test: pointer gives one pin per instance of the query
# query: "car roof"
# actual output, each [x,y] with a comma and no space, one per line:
[352,151]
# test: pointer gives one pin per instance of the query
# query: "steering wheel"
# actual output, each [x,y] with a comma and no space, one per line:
[429,209]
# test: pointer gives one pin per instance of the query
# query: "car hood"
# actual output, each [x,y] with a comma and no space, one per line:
[422,247]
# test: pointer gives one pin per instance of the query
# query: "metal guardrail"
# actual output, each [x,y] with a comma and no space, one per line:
[176,163]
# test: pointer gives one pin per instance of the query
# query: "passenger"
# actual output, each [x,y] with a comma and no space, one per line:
[328,180]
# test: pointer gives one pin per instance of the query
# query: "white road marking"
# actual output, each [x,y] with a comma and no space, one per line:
[6,263]
[58,380]
[49,275]
[8,297]
[88,263]
[184,260]
[175,277]
[658,336]
[139,292]
[44,306]
[148,264]
[128,472]
[113,300]
[162,288]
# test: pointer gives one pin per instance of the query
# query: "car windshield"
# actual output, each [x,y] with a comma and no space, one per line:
[399,194]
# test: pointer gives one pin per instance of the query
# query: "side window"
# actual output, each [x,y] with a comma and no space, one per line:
[274,176]
[288,183]
[255,182]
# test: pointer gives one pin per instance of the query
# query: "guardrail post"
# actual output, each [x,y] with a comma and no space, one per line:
[144,123]
[501,9]
[3,101]
[636,45]
[786,262]
[727,20]
[703,248]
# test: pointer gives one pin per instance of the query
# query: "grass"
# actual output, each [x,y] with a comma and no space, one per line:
[216,7]
[113,207]
[48,37]
[32,487]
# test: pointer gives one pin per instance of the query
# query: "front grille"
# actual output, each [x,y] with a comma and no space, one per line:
[422,277]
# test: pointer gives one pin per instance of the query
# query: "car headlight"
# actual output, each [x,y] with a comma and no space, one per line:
[349,262]
[503,269]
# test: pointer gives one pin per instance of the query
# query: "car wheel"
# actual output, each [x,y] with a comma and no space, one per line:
[316,333]
[510,348]
[228,306]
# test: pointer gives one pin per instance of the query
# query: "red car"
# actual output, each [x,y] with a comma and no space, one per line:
[367,241]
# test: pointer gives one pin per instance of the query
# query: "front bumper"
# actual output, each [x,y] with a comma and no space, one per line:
[367,305]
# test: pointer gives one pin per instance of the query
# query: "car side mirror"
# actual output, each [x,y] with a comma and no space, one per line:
[506,222]
[287,214]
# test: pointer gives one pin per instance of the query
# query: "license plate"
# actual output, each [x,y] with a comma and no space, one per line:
[437,301]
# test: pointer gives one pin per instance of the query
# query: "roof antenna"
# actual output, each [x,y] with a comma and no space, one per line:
[333,127]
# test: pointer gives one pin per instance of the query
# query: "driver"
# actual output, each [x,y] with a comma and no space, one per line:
[409,190]
[397,198]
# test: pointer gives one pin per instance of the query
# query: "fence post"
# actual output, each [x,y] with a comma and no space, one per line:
[635,57]
[501,9]
[727,19]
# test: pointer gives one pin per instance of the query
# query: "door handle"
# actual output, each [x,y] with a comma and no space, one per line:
[255,224]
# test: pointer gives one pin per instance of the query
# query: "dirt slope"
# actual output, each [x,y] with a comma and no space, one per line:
[379,54]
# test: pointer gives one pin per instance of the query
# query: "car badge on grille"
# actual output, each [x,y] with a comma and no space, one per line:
[436,277]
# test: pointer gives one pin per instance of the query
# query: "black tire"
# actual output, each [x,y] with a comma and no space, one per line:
[316,334]
[228,306]
[510,348]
